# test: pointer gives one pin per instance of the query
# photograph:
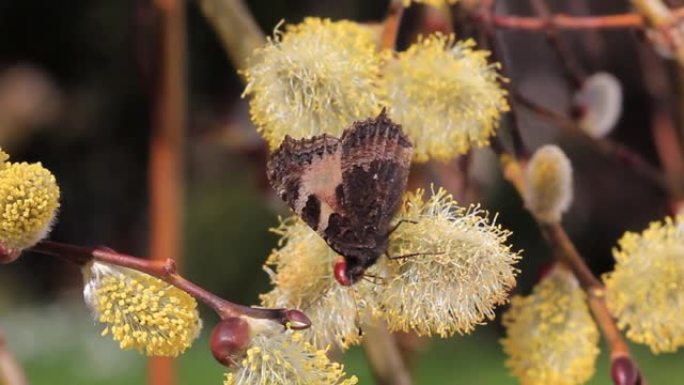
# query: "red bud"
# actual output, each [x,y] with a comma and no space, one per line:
[297,320]
[229,339]
[624,372]
[8,255]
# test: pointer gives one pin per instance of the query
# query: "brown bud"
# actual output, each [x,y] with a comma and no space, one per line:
[297,320]
[8,255]
[624,372]
[229,339]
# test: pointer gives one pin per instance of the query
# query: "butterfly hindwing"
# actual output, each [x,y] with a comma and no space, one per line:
[375,161]
[305,174]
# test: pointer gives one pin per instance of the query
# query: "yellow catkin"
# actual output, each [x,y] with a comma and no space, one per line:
[549,184]
[462,271]
[446,95]
[316,77]
[141,312]
[278,357]
[29,199]
[550,336]
[645,291]
[301,272]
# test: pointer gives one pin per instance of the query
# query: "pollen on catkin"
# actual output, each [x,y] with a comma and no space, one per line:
[458,270]
[549,184]
[29,199]
[645,291]
[551,337]
[301,272]
[316,77]
[278,357]
[141,312]
[446,95]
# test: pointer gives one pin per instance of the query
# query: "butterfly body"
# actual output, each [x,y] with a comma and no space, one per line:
[347,189]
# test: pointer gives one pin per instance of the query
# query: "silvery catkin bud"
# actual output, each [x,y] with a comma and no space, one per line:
[549,184]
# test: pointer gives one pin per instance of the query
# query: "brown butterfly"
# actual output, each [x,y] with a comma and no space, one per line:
[347,189]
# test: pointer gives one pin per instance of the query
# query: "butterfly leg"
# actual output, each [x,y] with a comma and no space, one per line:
[401,221]
[374,279]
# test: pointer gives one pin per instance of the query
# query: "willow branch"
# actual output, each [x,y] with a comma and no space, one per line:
[165,173]
[573,70]
[489,35]
[11,373]
[513,166]
[609,148]
[390,29]
[565,251]
[670,153]
[384,357]
[564,21]
[664,24]
[166,271]
[235,26]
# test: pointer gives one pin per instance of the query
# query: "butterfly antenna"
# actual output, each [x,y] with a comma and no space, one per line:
[411,255]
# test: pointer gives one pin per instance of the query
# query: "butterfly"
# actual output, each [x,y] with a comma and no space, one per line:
[347,189]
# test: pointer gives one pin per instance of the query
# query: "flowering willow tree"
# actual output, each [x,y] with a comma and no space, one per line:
[318,77]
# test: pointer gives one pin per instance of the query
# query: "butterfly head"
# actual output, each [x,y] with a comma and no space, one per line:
[347,274]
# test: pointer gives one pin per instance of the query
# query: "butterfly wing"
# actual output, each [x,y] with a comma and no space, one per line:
[375,160]
[305,173]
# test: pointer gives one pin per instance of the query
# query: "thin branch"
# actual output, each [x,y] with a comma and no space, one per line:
[513,166]
[11,373]
[563,21]
[565,250]
[165,174]
[166,271]
[610,148]
[670,153]
[391,24]
[384,357]
[489,35]
[568,60]
[236,28]
[664,23]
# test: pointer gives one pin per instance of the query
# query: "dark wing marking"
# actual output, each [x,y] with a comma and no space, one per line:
[375,162]
[305,174]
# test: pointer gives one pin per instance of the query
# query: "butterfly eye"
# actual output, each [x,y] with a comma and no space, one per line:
[340,272]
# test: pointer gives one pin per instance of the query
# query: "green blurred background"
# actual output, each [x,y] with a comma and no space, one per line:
[76,83]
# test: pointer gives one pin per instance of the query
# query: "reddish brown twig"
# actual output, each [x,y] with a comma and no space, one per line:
[489,36]
[565,251]
[390,29]
[513,166]
[563,21]
[663,126]
[166,271]
[165,176]
[573,71]
[623,154]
